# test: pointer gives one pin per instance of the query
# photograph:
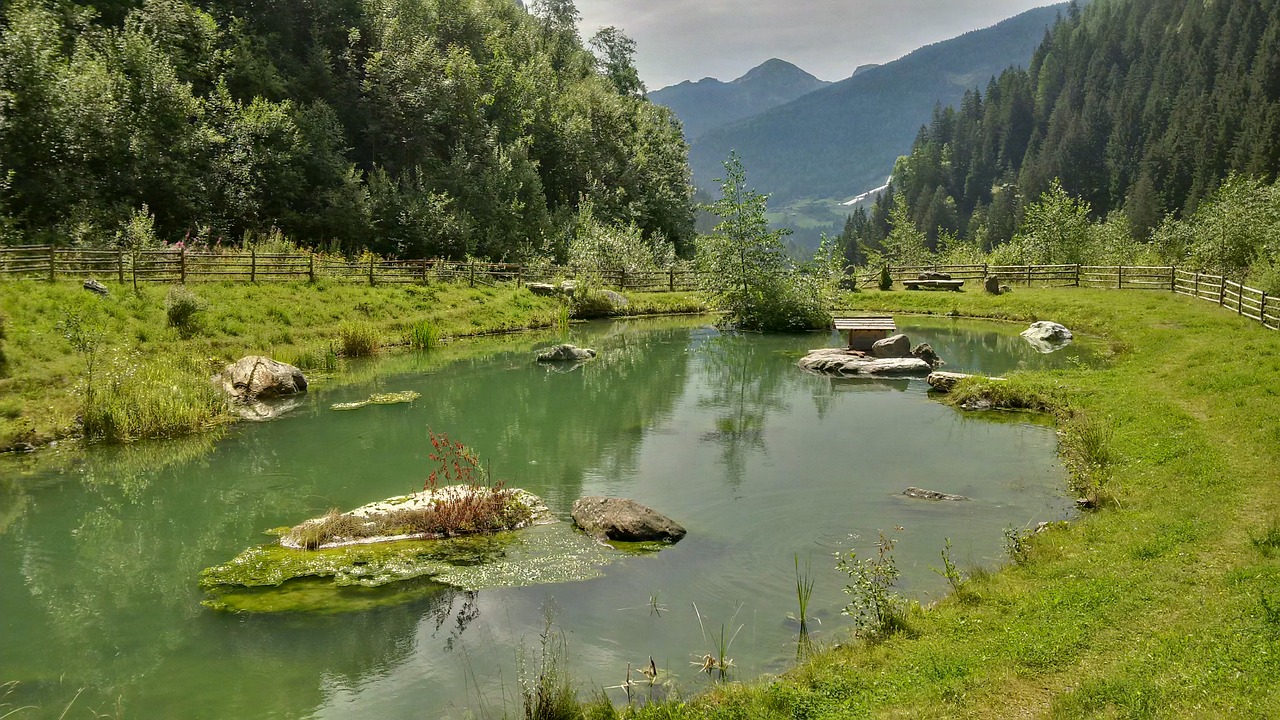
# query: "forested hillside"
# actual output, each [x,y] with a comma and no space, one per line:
[710,103]
[842,140]
[1144,106]
[409,127]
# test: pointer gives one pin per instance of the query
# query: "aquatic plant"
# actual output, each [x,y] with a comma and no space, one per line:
[717,663]
[804,590]
[424,335]
[546,692]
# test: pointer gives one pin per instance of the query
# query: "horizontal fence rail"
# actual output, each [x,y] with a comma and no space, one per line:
[179,265]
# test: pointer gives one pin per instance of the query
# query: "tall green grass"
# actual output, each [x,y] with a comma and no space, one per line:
[134,397]
[424,335]
[357,339]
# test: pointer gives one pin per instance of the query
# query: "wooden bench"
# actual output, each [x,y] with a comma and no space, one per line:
[865,331]
[933,284]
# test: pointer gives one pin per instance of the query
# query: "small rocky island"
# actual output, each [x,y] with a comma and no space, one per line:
[351,560]
[890,357]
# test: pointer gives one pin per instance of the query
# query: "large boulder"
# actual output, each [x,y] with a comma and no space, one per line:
[1047,336]
[566,353]
[847,363]
[255,377]
[616,299]
[992,284]
[894,346]
[543,289]
[624,520]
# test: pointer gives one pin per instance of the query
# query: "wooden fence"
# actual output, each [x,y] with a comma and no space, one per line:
[182,266]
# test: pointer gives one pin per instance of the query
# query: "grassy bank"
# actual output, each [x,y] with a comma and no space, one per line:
[1164,603]
[131,365]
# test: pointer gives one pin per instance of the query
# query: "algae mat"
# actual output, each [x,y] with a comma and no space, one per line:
[273,578]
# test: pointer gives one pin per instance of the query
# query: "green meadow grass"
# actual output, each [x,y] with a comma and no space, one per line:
[48,393]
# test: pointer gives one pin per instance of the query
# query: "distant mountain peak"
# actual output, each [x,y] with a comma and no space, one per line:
[773,70]
[710,103]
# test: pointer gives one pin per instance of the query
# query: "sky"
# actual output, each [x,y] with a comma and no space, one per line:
[691,39]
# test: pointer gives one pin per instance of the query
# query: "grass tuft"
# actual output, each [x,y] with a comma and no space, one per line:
[424,335]
[357,339]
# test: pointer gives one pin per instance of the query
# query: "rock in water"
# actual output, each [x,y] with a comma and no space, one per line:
[924,351]
[624,520]
[848,363]
[1047,336]
[566,353]
[944,381]
[896,346]
[921,494]
[255,377]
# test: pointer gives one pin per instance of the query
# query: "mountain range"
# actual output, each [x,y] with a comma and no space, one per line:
[837,140]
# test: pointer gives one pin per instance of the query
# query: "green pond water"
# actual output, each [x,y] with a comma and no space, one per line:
[101,552]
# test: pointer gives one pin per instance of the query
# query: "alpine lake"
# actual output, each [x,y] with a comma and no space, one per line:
[768,467]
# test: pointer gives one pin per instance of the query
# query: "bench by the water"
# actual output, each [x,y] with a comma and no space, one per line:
[865,331]
[932,284]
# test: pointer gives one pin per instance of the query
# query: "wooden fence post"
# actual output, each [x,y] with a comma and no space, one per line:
[1119,277]
[520,275]
[120,264]
[1262,312]
[1173,278]
[1239,297]
[370,269]
[1077,275]
[311,267]
[1222,290]
[671,281]
[182,265]
[422,271]
[53,263]
[471,268]
[253,265]
[1197,285]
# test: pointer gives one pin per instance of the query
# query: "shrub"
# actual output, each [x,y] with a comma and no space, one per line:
[181,307]
[886,281]
[879,611]
[357,339]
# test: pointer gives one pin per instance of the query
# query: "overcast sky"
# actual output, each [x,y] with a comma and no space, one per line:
[692,39]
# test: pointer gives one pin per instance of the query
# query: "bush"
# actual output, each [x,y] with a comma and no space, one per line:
[181,306]
[357,339]
[886,281]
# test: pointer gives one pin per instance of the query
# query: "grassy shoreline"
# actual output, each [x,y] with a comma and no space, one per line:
[58,336]
[1166,603]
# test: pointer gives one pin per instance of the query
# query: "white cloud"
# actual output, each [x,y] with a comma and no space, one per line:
[691,39]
